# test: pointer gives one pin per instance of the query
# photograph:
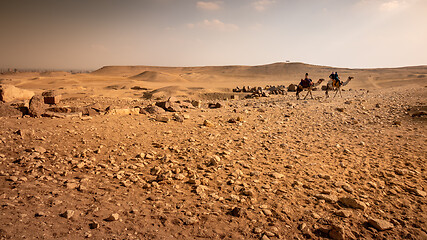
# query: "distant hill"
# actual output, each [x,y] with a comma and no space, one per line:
[276,72]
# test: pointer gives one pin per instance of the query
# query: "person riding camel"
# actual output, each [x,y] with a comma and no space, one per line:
[306,82]
[335,78]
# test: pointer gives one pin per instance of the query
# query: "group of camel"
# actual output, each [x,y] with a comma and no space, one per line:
[332,85]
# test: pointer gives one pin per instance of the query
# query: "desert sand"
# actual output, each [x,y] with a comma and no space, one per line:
[106,161]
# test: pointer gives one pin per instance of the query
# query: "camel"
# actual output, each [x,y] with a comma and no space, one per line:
[300,88]
[335,86]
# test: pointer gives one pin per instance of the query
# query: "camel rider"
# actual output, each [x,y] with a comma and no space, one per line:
[306,82]
[335,78]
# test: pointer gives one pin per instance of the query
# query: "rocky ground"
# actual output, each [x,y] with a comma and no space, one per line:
[262,168]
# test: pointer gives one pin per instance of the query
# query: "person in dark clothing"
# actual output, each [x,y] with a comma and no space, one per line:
[306,82]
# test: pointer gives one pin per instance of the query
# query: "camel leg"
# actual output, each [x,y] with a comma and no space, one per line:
[308,92]
[340,93]
[336,92]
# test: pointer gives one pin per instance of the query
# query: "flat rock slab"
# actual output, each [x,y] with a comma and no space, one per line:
[379,224]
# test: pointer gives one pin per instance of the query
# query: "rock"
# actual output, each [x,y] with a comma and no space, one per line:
[51,97]
[418,192]
[380,225]
[327,198]
[71,185]
[343,213]
[93,225]
[178,118]
[124,111]
[276,175]
[9,93]
[37,107]
[235,212]
[196,104]
[215,105]
[340,109]
[154,109]
[12,178]
[265,237]
[337,232]
[191,220]
[352,203]
[39,149]
[112,217]
[267,212]
[67,214]
[170,105]
[214,161]
[162,118]
[207,123]
[401,172]
[40,214]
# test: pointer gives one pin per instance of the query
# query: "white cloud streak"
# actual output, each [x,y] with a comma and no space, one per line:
[211,6]
[262,5]
[215,25]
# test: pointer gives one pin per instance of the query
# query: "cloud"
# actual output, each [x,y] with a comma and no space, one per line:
[262,5]
[212,6]
[214,24]
[386,5]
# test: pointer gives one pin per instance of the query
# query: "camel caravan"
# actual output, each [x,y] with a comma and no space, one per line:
[334,84]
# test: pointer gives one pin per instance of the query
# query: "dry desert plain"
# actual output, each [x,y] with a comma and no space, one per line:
[106,162]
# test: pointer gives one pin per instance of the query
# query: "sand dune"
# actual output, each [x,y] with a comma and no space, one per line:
[154,76]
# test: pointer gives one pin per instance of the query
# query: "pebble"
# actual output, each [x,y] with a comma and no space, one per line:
[68,214]
[112,217]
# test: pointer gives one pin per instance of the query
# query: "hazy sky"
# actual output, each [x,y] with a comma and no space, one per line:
[89,34]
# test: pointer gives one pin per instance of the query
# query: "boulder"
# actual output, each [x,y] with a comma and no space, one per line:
[154,109]
[37,107]
[9,93]
[51,97]
[196,104]
[169,105]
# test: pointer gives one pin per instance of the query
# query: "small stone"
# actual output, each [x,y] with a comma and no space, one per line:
[235,212]
[12,178]
[343,213]
[191,220]
[214,161]
[267,212]
[264,237]
[40,214]
[327,198]
[420,193]
[112,217]
[257,230]
[207,123]
[337,232]
[352,203]
[162,118]
[93,225]
[68,214]
[71,185]
[39,149]
[277,175]
[379,224]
